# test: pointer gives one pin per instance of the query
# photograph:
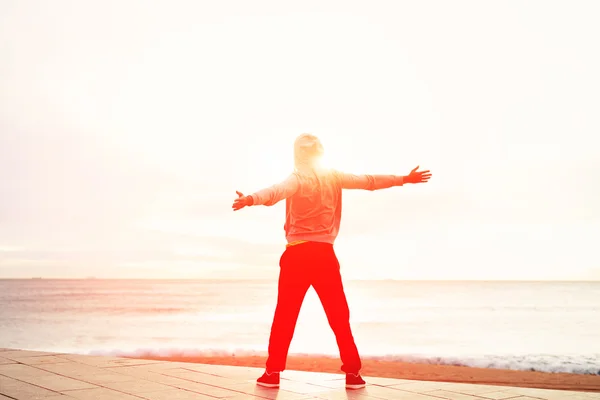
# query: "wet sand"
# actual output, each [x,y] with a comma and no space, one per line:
[401,370]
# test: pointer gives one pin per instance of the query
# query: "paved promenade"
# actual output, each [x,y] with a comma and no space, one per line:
[26,375]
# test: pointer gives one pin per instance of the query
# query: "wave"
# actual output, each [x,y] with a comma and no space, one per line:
[574,364]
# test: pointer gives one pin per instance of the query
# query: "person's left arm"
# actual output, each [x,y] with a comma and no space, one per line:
[268,196]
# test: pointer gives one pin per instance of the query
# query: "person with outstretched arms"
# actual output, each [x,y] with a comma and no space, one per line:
[313,198]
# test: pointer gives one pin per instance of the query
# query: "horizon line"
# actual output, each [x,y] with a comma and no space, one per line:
[274,279]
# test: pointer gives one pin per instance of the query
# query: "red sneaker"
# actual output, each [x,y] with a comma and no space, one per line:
[270,380]
[354,381]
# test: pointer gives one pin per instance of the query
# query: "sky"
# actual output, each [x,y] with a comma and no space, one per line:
[127,126]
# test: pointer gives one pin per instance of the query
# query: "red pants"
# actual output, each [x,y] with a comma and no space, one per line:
[301,266]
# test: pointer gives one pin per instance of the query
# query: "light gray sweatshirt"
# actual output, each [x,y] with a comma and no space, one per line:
[314,201]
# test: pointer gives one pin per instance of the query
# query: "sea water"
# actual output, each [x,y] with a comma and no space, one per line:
[544,326]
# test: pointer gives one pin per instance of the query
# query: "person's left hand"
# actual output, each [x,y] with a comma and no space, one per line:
[417,176]
[241,202]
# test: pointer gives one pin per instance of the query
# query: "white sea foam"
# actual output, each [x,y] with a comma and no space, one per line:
[589,365]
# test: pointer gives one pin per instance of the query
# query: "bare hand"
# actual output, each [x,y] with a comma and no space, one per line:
[241,202]
[417,177]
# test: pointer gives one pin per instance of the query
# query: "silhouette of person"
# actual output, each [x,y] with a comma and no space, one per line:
[313,212]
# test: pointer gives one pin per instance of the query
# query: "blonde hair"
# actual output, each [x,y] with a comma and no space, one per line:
[307,151]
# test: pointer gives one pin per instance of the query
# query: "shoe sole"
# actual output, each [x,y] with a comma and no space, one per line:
[355,386]
[268,385]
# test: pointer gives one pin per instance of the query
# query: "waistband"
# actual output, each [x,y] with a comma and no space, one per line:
[295,243]
[299,242]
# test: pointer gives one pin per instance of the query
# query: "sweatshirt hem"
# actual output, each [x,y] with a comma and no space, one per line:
[311,238]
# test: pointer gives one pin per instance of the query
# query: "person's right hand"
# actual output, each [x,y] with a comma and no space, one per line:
[241,202]
[417,177]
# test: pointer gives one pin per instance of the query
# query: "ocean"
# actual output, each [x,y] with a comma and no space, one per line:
[542,326]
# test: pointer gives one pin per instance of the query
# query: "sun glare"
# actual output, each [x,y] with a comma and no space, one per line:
[338,153]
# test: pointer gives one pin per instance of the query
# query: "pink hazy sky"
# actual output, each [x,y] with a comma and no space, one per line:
[127,126]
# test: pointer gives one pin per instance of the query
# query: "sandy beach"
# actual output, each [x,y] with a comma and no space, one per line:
[401,370]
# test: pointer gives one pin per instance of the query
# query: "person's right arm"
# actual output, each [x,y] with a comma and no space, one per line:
[274,194]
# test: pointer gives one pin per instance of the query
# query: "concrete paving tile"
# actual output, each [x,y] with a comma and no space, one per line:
[238,375]
[127,362]
[201,377]
[235,374]
[565,397]
[86,359]
[98,394]
[591,395]
[346,395]
[73,369]
[132,371]
[41,360]
[136,386]
[103,379]
[199,367]
[12,354]
[149,375]
[340,395]
[163,365]
[366,394]
[303,388]
[212,385]
[210,390]
[18,371]
[57,396]
[452,396]
[387,381]
[467,388]
[500,395]
[308,377]
[267,393]
[420,386]
[169,380]
[244,397]
[107,361]
[417,396]
[575,397]
[6,361]
[284,395]
[304,398]
[57,383]
[528,398]
[384,392]
[545,394]
[174,395]
[22,390]
[584,395]
[338,384]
